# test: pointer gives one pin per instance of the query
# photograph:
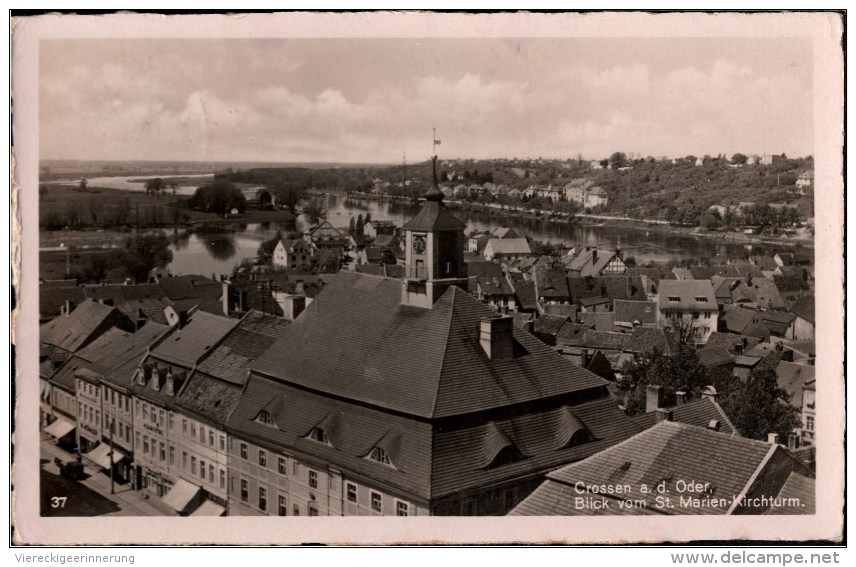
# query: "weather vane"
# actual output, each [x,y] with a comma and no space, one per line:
[436,141]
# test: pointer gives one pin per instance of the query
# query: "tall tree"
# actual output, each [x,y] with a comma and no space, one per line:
[760,407]
[144,252]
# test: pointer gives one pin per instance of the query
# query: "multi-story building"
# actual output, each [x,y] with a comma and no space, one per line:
[430,403]
[157,382]
[206,401]
[689,304]
[293,255]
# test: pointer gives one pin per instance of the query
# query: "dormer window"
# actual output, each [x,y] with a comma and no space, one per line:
[380,456]
[674,299]
[318,434]
[701,299]
[265,418]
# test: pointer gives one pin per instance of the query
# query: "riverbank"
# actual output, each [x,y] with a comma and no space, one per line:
[597,221]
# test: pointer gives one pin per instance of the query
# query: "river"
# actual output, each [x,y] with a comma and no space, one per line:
[219,253]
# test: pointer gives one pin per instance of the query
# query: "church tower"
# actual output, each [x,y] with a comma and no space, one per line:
[435,250]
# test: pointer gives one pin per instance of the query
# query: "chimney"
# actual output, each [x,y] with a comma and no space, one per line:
[793,442]
[681,397]
[773,438]
[594,256]
[496,336]
[664,415]
[183,318]
[653,397]
[298,287]
[224,295]
[169,386]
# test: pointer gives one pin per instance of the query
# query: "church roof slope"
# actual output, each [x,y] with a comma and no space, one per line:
[357,341]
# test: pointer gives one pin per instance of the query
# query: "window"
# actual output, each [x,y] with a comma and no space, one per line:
[138,439]
[154,415]
[262,458]
[280,508]
[193,466]
[318,434]
[380,456]
[244,452]
[245,490]
[377,501]
[295,468]
[193,429]
[202,469]
[281,465]
[296,510]
[222,479]
[809,423]
[184,426]
[266,418]
[202,434]
[352,492]
[262,498]
[162,452]
[695,315]
[171,421]
[145,412]
[222,442]
[145,444]
[313,511]
[184,459]
[402,508]
[210,437]
[121,430]
[701,299]
[313,479]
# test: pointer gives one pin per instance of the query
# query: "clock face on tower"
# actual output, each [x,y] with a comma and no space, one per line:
[419,244]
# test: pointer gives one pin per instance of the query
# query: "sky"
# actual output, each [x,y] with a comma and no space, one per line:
[376,100]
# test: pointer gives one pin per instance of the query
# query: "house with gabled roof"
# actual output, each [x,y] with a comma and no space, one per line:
[596,262]
[659,463]
[803,309]
[431,405]
[689,302]
[506,249]
[156,384]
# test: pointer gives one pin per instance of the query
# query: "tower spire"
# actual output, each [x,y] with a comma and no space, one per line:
[434,193]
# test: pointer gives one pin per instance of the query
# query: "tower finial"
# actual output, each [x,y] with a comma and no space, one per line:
[434,193]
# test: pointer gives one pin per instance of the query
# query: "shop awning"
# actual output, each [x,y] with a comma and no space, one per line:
[180,495]
[60,427]
[100,455]
[209,508]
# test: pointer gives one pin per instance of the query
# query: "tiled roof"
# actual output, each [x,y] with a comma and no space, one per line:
[804,308]
[731,341]
[628,311]
[702,272]
[494,285]
[792,377]
[598,321]
[525,291]
[484,269]
[549,324]
[737,319]
[669,453]
[605,341]
[586,265]
[551,283]
[560,309]
[434,216]
[798,488]
[509,246]
[505,232]
[209,397]
[571,334]
[201,333]
[686,292]
[358,430]
[761,291]
[712,356]
[791,283]
[650,339]
[253,335]
[357,341]
[700,412]
[70,332]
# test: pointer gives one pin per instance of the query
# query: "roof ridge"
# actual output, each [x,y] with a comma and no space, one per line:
[448,327]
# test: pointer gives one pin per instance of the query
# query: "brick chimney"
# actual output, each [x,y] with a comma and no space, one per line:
[653,397]
[496,337]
